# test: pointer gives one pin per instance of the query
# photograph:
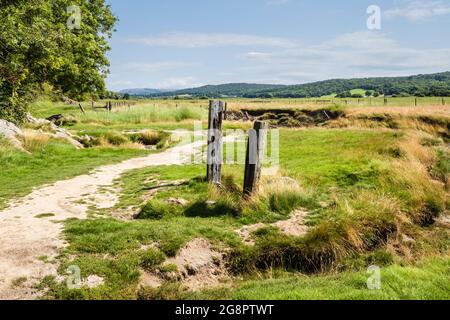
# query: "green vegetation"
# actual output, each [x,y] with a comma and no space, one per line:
[355,198]
[22,172]
[420,85]
[39,50]
[427,280]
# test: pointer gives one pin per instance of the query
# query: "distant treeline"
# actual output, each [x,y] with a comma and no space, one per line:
[420,85]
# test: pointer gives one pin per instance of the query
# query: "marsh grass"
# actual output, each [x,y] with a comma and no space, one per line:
[364,188]
[34,141]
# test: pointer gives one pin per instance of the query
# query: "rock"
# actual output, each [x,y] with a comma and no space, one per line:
[10,131]
[59,133]
[407,239]
[93,281]
[180,202]
[56,119]
[67,100]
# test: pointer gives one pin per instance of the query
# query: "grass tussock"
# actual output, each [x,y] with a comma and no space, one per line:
[34,141]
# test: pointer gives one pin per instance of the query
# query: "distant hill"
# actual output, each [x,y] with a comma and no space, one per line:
[437,84]
[230,89]
[141,92]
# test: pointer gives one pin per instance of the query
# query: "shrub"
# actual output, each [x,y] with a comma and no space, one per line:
[148,138]
[115,138]
[184,113]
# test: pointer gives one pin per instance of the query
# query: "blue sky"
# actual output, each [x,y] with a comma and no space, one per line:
[173,44]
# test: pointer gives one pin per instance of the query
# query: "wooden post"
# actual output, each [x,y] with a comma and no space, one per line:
[81,108]
[385,101]
[215,144]
[415,101]
[225,112]
[257,141]
[92,104]
[443,101]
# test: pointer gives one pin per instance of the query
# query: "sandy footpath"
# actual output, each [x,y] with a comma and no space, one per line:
[27,241]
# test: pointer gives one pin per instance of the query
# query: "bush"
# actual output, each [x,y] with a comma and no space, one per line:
[115,138]
[147,138]
[184,113]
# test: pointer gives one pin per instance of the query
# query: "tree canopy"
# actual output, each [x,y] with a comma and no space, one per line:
[41,42]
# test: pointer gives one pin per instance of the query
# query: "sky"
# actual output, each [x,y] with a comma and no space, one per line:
[173,44]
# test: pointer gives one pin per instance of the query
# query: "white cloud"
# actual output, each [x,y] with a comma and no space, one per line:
[366,53]
[175,83]
[417,10]
[204,40]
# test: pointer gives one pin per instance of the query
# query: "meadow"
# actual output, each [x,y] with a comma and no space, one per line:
[373,184]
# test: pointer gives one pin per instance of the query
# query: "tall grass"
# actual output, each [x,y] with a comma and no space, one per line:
[141,114]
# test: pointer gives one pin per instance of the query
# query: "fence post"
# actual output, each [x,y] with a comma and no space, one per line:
[81,108]
[385,101]
[443,101]
[257,141]
[215,143]
[415,101]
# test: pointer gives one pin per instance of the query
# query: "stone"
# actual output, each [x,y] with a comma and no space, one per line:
[10,132]
[59,133]
[180,202]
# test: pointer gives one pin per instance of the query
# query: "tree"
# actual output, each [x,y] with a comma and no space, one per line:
[38,45]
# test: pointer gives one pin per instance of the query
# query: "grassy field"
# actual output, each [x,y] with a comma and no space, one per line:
[372,191]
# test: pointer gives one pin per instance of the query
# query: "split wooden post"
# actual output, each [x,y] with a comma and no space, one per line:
[256,148]
[215,143]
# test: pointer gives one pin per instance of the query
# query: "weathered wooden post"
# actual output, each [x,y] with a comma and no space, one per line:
[257,141]
[415,101]
[225,112]
[385,101]
[81,108]
[443,101]
[215,143]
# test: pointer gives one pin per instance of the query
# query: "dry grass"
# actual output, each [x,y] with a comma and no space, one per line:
[443,111]
[33,141]
[432,119]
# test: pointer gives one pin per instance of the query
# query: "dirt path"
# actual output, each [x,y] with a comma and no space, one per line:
[30,229]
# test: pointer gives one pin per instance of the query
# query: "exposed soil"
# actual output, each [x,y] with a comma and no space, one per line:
[25,239]
[287,117]
[294,226]
[198,266]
